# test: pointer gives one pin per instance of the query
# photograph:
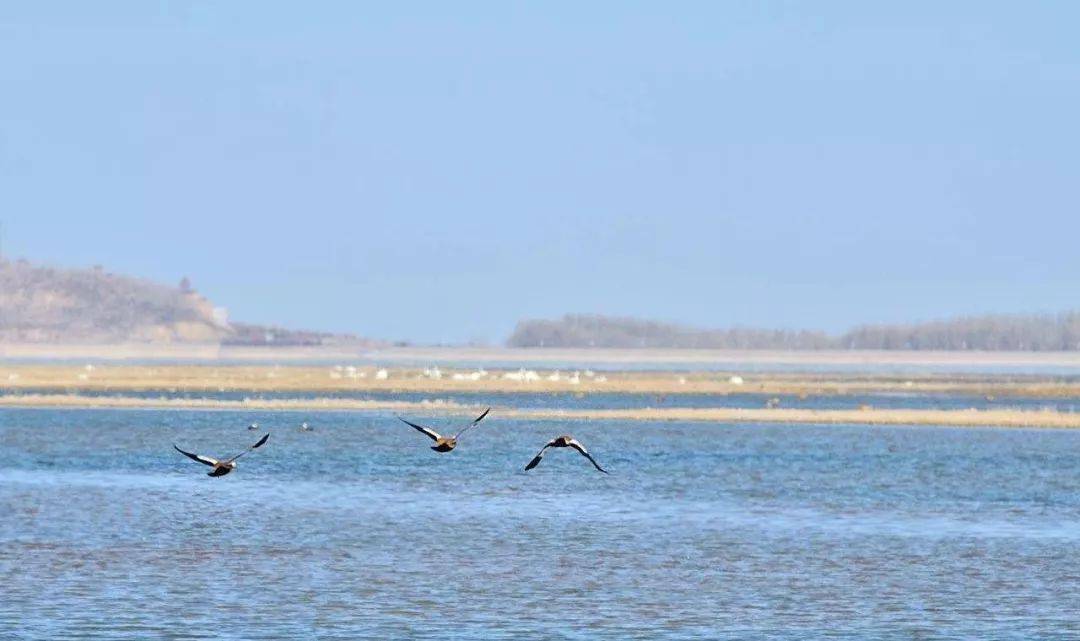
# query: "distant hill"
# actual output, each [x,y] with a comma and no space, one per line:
[40,304]
[46,305]
[1046,332]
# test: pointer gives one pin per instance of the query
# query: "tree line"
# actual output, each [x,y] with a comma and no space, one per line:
[1033,332]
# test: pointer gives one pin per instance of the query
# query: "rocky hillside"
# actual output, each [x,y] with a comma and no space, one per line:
[50,305]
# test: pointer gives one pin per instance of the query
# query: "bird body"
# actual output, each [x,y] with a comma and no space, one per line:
[444,443]
[564,441]
[221,468]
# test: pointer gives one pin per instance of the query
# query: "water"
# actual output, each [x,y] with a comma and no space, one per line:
[358,530]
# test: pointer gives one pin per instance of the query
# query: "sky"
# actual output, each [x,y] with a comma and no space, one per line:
[436,171]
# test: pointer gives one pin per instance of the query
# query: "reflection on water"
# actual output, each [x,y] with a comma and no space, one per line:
[358,530]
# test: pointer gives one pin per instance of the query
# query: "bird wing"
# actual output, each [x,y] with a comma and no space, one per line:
[539,455]
[205,460]
[253,447]
[581,448]
[474,423]
[426,430]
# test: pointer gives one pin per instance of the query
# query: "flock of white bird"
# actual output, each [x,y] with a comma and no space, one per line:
[352,372]
[522,375]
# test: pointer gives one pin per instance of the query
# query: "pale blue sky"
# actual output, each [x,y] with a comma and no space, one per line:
[436,171]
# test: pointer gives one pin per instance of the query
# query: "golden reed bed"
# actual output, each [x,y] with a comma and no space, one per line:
[266,378]
[871,416]
[40,385]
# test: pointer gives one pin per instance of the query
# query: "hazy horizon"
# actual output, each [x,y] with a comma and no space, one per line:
[437,174]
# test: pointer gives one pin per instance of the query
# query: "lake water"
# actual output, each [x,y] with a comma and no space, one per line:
[358,530]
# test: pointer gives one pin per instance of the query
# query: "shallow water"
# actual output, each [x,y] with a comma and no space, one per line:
[358,530]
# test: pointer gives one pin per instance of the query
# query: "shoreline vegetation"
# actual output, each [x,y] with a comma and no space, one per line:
[314,379]
[116,386]
[1020,332]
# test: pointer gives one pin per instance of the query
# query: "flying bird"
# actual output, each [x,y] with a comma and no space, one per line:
[445,443]
[564,441]
[221,468]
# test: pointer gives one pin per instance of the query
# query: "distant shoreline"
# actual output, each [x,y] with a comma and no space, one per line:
[325,379]
[311,387]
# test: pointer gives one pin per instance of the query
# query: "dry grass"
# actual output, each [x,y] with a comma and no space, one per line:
[955,418]
[256,378]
